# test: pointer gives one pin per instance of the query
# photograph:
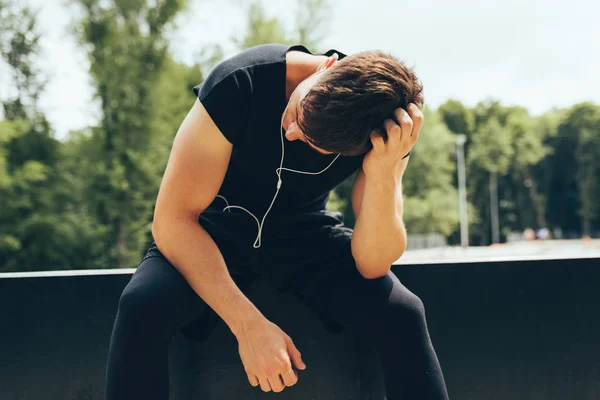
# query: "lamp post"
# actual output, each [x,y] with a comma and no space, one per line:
[462,190]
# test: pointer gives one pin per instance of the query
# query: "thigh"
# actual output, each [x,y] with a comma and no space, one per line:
[158,294]
[319,268]
[158,297]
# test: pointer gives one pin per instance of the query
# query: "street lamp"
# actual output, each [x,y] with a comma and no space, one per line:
[462,190]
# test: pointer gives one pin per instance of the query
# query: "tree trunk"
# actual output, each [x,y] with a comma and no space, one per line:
[121,244]
[586,225]
[494,214]
[535,199]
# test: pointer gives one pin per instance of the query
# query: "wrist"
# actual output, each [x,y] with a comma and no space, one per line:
[245,318]
[240,314]
[384,181]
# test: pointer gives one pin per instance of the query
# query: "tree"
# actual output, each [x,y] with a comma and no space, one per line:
[312,22]
[433,193]
[430,199]
[310,28]
[575,170]
[127,48]
[261,29]
[35,232]
[19,46]
[528,150]
[546,126]
[490,152]
[457,117]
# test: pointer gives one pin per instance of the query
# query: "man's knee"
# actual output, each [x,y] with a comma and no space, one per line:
[401,304]
[135,303]
[390,306]
[405,311]
[394,306]
[146,301]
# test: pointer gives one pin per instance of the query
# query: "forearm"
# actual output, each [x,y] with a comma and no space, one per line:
[379,236]
[195,255]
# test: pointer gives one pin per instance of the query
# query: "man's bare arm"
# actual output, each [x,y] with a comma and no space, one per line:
[379,236]
[192,179]
[195,172]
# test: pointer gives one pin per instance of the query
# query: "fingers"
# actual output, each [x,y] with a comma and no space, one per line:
[253,380]
[275,372]
[264,385]
[405,121]
[290,377]
[394,132]
[404,129]
[416,115]
[378,142]
[276,383]
[295,355]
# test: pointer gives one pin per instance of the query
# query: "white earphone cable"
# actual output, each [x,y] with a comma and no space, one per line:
[257,242]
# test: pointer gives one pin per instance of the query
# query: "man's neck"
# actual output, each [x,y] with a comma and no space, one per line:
[299,66]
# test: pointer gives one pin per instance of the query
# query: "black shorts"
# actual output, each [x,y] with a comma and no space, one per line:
[306,253]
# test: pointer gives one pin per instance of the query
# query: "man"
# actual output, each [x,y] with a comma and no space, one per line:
[239,198]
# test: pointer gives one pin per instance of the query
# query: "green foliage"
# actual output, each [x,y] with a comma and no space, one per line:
[527,150]
[87,202]
[312,22]
[491,147]
[526,138]
[35,224]
[127,50]
[431,200]
[261,29]
[457,117]
[578,132]
[19,45]
[311,25]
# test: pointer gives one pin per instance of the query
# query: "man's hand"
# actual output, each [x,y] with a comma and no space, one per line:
[267,354]
[385,159]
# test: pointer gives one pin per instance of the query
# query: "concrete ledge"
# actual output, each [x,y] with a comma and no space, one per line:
[519,330]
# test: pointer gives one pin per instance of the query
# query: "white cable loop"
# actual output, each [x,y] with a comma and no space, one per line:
[309,173]
[226,202]
[258,241]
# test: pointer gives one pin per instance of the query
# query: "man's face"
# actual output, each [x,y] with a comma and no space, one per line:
[290,120]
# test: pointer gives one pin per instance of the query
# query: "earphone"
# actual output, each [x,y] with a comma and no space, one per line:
[258,241]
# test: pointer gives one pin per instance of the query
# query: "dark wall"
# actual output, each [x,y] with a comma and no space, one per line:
[518,330]
[503,330]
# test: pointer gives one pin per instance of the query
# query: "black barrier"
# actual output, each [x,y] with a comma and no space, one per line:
[526,330]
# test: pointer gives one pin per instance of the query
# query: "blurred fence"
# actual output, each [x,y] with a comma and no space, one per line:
[425,241]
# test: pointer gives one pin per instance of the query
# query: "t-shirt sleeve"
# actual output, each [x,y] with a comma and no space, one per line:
[226,96]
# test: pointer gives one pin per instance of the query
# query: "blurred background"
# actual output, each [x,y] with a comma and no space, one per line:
[93,92]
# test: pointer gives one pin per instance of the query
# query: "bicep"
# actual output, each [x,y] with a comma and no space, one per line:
[196,168]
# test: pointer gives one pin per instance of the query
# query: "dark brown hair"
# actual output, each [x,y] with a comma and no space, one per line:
[353,98]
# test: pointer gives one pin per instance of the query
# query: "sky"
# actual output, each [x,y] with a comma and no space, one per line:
[537,54]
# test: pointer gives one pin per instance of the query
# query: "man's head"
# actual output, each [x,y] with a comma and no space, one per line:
[336,108]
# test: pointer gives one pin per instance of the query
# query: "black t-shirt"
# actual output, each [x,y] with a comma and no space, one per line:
[245,96]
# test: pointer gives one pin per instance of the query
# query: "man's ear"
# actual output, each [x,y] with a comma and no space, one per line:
[332,59]
[293,132]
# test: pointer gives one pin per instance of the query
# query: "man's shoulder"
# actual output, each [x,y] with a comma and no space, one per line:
[253,57]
